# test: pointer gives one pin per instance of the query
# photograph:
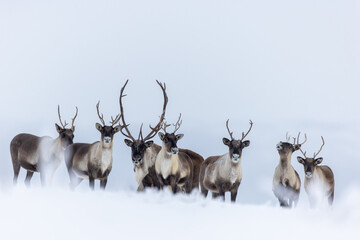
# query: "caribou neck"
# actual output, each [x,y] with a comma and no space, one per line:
[285,160]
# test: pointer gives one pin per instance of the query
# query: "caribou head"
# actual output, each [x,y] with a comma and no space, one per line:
[236,146]
[138,146]
[310,163]
[170,139]
[66,135]
[107,132]
[286,148]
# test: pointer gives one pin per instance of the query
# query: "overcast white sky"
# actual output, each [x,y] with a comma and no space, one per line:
[288,66]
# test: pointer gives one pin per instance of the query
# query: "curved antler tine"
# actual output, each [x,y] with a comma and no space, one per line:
[287,137]
[227,127]
[62,124]
[115,121]
[140,133]
[124,125]
[244,135]
[177,124]
[323,143]
[73,120]
[101,117]
[156,129]
[294,140]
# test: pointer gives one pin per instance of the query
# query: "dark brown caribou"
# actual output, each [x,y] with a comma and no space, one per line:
[143,150]
[41,154]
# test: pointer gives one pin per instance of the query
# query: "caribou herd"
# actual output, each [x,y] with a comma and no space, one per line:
[155,166]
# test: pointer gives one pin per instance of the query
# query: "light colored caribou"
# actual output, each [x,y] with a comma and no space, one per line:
[286,181]
[41,154]
[93,161]
[220,174]
[174,168]
[319,180]
[143,150]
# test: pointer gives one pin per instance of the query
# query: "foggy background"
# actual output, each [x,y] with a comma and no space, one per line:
[287,66]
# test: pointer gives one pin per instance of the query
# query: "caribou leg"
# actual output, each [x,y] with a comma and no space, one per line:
[103,183]
[29,175]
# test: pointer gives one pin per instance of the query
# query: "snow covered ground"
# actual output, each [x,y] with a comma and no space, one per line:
[61,214]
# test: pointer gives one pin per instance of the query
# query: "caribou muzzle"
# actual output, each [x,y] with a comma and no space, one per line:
[107,140]
[137,160]
[174,151]
[235,157]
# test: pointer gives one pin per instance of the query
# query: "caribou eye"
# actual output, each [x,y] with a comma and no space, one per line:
[166,140]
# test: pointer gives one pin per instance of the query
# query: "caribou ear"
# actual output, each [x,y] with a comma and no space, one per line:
[301,160]
[297,147]
[226,141]
[179,136]
[318,161]
[246,143]
[128,142]
[98,127]
[149,143]
[58,128]
[161,135]
[116,129]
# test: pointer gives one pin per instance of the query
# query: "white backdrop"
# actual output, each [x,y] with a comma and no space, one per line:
[286,66]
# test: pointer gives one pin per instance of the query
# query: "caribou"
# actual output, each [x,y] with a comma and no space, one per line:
[174,168]
[286,181]
[220,174]
[41,154]
[93,161]
[319,180]
[143,150]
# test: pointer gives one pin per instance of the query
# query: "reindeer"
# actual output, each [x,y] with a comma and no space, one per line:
[143,150]
[41,154]
[286,181]
[319,180]
[174,168]
[93,161]
[220,174]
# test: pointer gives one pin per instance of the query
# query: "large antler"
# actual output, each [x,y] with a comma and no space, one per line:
[320,147]
[73,120]
[156,129]
[300,144]
[63,125]
[244,135]
[125,126]
[227,127]
[101,117]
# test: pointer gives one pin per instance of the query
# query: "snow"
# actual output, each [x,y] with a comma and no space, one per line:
[286,65]
[62,214]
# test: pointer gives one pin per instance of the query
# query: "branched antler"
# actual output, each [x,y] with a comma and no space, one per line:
[177,124]
[154,130]
[73,120]
[98,112]
[315,154]
[244,135]
[300,144]
[227,127]
[164,126]
[63,125]
[125,126]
